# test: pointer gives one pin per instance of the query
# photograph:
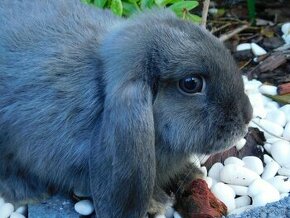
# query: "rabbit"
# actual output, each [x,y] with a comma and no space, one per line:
[110,106]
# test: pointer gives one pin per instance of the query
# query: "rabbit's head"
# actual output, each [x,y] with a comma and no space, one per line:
[171,86]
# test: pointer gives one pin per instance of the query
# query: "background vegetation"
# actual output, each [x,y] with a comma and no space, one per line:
[182,8]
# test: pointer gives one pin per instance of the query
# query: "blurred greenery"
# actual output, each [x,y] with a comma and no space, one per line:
[182,8]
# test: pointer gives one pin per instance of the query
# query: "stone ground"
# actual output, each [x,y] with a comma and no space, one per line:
[59,207]
[55,207]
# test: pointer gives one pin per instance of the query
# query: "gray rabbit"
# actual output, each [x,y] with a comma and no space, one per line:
[110,106]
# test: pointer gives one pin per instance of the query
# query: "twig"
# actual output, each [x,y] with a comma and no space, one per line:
[204,13]
[220,28]
[245,64]
[227,36]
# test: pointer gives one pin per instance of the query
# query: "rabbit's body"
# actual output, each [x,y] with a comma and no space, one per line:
[87,102]
[48,65]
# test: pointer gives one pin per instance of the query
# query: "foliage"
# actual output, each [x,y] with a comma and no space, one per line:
[251,10]
[126,8]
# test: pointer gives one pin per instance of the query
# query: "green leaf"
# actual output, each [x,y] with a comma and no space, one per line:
[86,1]
[100,3]
[128,9]
[283,99]
[135,2]
[162,3]
[117,7]
[183,6]
[193,18]
[146,4]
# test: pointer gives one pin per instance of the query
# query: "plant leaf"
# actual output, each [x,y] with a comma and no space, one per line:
[282,99]
[144,4]
[100,3]
[128,9]
[162,3]
[181,6]
[117,7]
[194,18]
[86,1]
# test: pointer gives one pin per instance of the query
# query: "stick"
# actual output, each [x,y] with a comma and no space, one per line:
[204,13]
[221,27]
[229,35]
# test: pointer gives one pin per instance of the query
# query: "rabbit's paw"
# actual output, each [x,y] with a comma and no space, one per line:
[159,206]
[19,192]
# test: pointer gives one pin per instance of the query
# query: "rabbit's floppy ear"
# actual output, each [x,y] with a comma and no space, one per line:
[122,160]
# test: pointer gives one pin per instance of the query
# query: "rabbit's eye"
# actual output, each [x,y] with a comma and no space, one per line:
[191,84]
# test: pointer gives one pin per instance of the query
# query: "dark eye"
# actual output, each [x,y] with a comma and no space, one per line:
[191,84]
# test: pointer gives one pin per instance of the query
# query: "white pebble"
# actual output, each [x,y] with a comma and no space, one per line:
[240,144]
[259,111]
[267,159]
[213,182]
[84,207]
[214,171]
[160,216]
[280,183]
[242,201]
[6,210]
[225,194]
[270,170]
[264,198]
[286,38]
[1,201]
[256,99]
[257,50]
[240,190]
[209,181]
[169,212]
[204,171]
[253,163]
[272,140]
[268,89]
[253,124]
[270,126]
[286,110]
[244,46]
[280,152]
[286,132]
[277,116]
[284,195]
[252,86]
[245,79]
[213,11]
[267,147]
[176,215]
[233,160]
[237,175]
[16,215]
[266,99]
[271,106]
[194,159]
[285,28]
[283,171]
[260,186]
[22,210]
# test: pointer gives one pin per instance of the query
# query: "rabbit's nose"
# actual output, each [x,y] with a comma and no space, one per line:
[247,110]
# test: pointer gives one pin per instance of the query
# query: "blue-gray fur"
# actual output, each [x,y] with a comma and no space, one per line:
[80,107]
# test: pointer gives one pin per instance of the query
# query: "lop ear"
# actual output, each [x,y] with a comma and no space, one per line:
[122,160]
